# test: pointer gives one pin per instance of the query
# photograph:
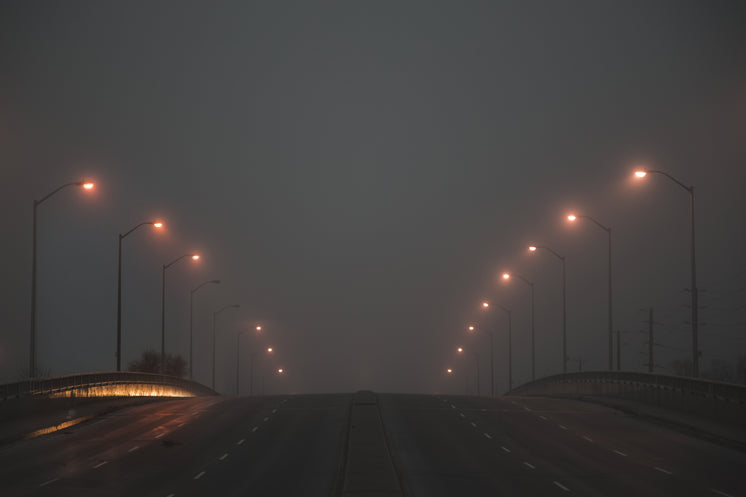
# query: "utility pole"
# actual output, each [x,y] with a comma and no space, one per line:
[651,363]
[618,350]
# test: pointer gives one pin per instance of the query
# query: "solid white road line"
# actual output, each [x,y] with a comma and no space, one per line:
[620,453]
[222,458]
[562,486]
[240,442]
[529,465]
[134,448]
[48,482]
[662,470]
[505,449]
[720,493]
[200,475]
[100,464]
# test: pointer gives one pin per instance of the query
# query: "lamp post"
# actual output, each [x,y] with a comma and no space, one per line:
[191,322]
[573,217]
[510,342]
[693,265]
[251,368]
[155,224]
[214,317]
[486,305]
[507,276]
[534,248]
[460,350]
[87,185]
[163,306]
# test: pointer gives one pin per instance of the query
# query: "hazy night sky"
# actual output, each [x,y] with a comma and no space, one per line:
[359,174]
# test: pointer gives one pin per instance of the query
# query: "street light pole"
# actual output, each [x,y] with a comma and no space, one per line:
[191,323]
[32,353]
[163,307]
[510,347]
[564,302]
[155,224]
[507,276]
[214,317]
[693,267]
[607,229]
[251,372]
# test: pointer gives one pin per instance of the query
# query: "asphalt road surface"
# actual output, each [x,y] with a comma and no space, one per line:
[370,445]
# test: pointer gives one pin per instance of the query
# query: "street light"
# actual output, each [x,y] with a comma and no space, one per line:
[510,341]
[572,218]
[238,343]
[695,311]
[460,350]
[86,185]
[251,373]
[155,224]
[214,317]
[534,248]
[485,305]
[163,306]
[507,276]
[191,322]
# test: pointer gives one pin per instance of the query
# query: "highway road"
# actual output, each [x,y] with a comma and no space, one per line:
[370,445]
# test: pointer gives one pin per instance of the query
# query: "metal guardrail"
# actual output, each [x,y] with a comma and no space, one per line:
[591,382]
[76,382]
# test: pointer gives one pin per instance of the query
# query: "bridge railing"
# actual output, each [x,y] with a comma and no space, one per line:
[105,384]
[713,399]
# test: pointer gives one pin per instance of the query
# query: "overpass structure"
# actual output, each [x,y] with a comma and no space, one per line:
[539,440]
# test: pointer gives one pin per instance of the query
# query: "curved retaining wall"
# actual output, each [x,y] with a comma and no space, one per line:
[711,399]
[118,384]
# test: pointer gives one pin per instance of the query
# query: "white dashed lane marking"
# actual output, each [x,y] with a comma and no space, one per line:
[543,417]
[222,458]
[589,439]
[562,486]
[473,424]
[714,490]
[49,482]
[254,429]
[266,419]
[662,470]
[505,449]
[461,414]
[274,411]
[529,465]
[240,442]
[487,435]
[100,464]
[200,475]
[134,448]
[563,427]
[620,453]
